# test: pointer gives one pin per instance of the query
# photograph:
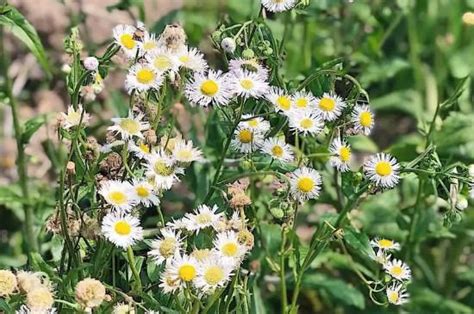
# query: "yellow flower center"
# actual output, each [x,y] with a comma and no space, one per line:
[123,228]
[209,88]
[203,218]
[117,198]
[301,103]
[145,76]
[162,63]
[305,184]
[277,151]
[283,102]
[253,123]
[127,41]
[184,59]
[167,247]
[74,117]
[213,275]
[245,136]
[393,296]
[187,272]
[385,243]
[246,84]
[201,255]
[162,169]
[383,168]
[306,123]
[229,249]
[365,119]
[345,153]
[396,270]
[184,154]
[327,104]
[142,191]
[144,148]
[130,126]
[149,45]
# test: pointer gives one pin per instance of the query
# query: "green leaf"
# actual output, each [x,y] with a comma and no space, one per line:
[407,101]
[337,289]
[13,20]
[31,126]
[359,242]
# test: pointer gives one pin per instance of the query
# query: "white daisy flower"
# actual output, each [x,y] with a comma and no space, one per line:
[191,59]
[396,294]
[278,149]
[183,267]
[228,246]
[149,44]
[169,283]
[385,244]
[248,65]
[121,229]
[341,154]
[140,149]
[381,257]
[165,247]
[118,194]
[246,140]
[329,106]
[397,269]
[305,184]
[305,122]
[184,152]
[178,224]
[280,99]
[124,36]
[383,170]
[142,77]
[212,88]
[203,217]
[143,192]
[303,100]
[213,273]
[73,117]
[258,124]
[162,168]
[163,61]
[363,119]
[130,126]
[248,84]
[123,308]
[278,5]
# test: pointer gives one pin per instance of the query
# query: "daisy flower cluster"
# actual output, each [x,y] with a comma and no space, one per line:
[205,268]
[398,272]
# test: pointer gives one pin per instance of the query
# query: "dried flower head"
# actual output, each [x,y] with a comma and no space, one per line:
[90,293]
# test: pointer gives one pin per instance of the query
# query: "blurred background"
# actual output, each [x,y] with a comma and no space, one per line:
[408,54]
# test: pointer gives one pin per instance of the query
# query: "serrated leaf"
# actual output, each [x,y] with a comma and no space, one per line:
[15,22]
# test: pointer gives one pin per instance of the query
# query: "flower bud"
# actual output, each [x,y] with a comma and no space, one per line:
[461,203]
[216,36]
[71,168]
[471,170]
[66,68]
[468,18]
[228,45]
[91,63]
[277,212]
[248,53]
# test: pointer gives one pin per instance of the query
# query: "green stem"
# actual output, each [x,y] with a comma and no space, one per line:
[31,240]
[137,285]
[284,297]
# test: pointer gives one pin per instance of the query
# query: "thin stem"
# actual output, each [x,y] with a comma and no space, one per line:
[31,241]
[284,297]
[137,285]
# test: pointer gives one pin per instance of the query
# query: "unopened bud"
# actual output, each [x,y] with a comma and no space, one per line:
[228,44]
[248,53]
[71,168]
[91,63]
[66,68]
[216,36]
[461,203]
